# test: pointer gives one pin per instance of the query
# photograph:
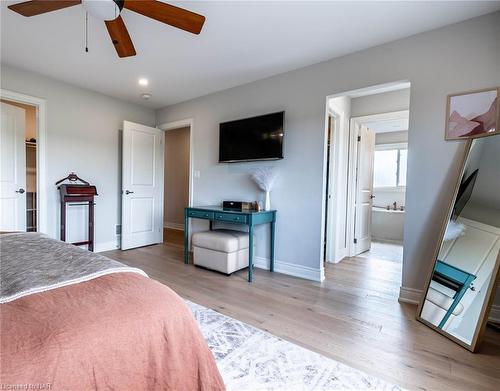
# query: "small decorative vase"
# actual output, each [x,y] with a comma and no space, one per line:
[268,201]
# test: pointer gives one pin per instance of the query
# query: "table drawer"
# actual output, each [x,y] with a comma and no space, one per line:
[201,214]
[231,217]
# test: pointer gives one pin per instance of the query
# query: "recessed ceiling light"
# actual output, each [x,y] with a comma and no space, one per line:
[146,96]
[143,82]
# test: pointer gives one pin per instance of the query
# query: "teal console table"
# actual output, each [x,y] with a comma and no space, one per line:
[250,218]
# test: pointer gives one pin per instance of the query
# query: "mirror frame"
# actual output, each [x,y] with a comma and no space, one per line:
[492,285]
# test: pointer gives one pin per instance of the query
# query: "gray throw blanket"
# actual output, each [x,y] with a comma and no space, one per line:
[32,263]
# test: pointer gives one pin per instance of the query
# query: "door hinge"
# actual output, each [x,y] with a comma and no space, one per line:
[359,138]
[355,241]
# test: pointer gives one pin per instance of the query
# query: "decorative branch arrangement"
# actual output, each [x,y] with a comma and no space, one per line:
[454,230]
[265,179]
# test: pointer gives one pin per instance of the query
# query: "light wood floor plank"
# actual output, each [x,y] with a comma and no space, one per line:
[353,316]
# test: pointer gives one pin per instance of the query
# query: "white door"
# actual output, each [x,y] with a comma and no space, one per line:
[364,190]
[142,185]
[12,169]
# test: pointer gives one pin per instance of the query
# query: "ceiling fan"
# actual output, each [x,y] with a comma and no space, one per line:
[109,11]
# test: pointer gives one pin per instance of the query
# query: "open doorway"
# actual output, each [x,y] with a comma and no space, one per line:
[176,183]
[382,227]
[19,173]
[366,138]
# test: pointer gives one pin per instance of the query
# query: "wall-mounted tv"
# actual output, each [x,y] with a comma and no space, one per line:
[256,138]
[464,194]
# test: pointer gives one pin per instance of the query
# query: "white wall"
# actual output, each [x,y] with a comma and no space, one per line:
[434,63]
[381,103]
[82,136]
[487,187]
[391,137]
[484,203]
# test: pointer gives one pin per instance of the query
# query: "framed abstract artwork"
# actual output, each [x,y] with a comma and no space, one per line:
[473,114]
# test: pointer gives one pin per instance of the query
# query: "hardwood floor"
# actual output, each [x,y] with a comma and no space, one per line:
[353,317]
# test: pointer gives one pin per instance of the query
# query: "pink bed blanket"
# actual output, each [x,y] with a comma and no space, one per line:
[120,331]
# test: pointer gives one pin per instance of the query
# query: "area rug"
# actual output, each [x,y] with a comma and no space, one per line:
[252,359]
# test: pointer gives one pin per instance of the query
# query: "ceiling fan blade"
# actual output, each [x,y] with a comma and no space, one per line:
[120,37]
[169,14]
[37,7]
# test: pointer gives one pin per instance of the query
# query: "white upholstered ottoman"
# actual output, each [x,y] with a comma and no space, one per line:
[223,250]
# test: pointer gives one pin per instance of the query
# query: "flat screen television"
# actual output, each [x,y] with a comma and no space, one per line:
[256,138]
[464,193]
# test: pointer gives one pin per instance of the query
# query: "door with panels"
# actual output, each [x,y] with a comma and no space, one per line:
[142,185]
[12,169]
[364,190]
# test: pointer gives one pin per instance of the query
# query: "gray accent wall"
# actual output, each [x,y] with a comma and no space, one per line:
[456,58]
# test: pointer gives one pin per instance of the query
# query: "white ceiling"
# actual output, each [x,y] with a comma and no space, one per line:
[240,42]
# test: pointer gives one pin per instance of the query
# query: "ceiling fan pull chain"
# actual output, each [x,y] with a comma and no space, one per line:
[86,32]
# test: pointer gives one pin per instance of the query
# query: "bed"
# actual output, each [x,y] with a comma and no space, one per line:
[74,320]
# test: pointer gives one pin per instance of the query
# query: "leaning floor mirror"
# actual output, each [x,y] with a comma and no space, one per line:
[462,283]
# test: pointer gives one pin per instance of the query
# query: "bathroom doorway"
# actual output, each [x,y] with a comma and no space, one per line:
[365,162]
[388,153]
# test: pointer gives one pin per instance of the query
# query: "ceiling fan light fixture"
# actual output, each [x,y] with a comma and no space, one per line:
[103,9]
[109,12]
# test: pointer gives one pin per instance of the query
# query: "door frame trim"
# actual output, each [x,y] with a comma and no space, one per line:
[332,214]
[41,140]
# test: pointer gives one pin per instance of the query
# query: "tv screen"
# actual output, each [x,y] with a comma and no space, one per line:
[256,138]
[464,193]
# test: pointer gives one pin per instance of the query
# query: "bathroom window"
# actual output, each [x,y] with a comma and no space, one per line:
[390,166]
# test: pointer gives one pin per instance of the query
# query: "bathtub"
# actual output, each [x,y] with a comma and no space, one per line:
[387,225]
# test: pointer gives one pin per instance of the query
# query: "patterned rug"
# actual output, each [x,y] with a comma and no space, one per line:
[251,359]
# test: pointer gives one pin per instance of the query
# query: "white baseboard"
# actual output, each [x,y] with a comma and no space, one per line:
[341,254]
[308,273]
[495,313]
[176,226]
[106,246]
[409,295]
[388,241]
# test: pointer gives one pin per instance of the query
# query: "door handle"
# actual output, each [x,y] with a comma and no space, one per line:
[20,191]
[128,192]
[372,196]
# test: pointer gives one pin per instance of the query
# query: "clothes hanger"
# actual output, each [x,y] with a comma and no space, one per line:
[72,177]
